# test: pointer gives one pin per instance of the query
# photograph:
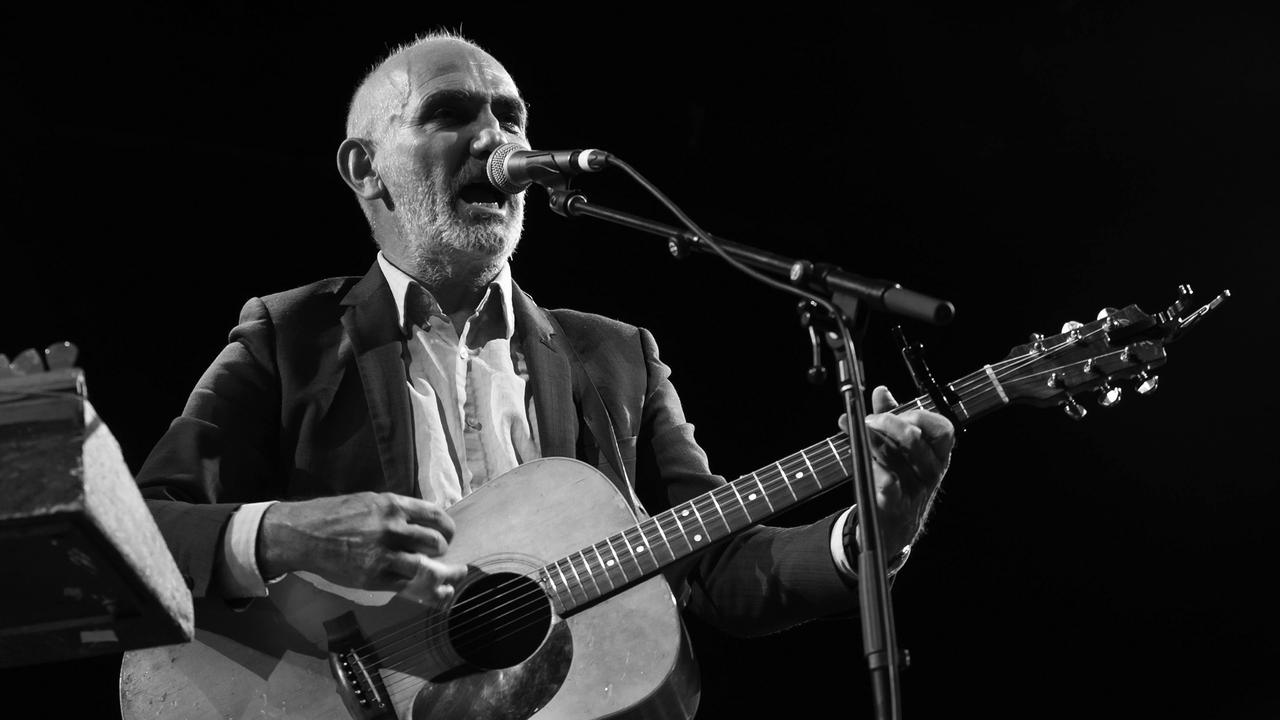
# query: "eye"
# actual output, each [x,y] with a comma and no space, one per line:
[513,123]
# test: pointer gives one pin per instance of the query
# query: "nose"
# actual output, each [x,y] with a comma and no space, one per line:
[488,135]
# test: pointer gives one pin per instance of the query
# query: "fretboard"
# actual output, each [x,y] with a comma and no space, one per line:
[639,552]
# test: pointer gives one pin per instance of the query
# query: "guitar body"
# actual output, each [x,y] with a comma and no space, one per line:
[624,656]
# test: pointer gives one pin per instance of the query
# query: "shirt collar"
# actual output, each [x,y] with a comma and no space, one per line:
[399,282]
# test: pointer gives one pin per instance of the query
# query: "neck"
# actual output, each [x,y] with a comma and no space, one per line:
[456,282]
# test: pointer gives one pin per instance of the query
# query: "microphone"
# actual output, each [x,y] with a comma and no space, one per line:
[512,167]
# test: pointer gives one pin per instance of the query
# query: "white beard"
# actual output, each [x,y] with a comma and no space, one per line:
[444,246]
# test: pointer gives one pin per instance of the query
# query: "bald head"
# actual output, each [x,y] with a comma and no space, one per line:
[383,96]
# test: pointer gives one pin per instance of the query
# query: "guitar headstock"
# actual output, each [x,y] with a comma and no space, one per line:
[1121,347]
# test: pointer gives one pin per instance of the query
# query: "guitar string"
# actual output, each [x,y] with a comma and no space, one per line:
[664,522]
[773,484]
[668,520]
[539,603]
[793,460]
[795,463]
[534,604]
[592,572]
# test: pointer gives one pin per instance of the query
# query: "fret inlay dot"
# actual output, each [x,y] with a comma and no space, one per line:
[697,538]
[752,496]
[608,563]
[639,548]
[799,475]
[685,513]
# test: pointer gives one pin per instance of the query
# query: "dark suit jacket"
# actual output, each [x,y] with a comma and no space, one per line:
[308,399]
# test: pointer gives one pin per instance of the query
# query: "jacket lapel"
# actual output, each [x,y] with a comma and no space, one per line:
[551,376]
[562,385]
[371,324]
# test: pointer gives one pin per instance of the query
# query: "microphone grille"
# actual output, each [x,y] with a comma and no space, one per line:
[497,169]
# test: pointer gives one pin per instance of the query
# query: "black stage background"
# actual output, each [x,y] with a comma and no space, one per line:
[1032,162]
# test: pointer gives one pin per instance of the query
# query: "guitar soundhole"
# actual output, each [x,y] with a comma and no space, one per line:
[499,620]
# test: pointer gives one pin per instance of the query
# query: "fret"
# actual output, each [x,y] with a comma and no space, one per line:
[683,532]
[762,492]
[959,401]
[727,528]
[603,569]
[557,603]
[812,473]
[836,452]
[567,584]
[698,516]
[578,577]
[742,504]
[642,548]
[617,562]
[663,533]
[565,581]
[786,481]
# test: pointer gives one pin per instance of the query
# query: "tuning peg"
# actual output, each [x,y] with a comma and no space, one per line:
[1106,311]
[1109,396]
[61,355]
[27,362]
[1073,409]
[1147,383]
[1070,325]
[1037,342]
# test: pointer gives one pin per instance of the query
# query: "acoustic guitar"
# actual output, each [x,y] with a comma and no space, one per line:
[565,614]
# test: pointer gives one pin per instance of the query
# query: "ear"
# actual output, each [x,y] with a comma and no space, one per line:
[355,165]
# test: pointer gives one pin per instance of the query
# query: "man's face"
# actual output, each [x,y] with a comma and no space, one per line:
[461,105]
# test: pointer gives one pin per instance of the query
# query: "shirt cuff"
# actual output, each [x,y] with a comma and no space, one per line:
[837,547]
[842,559]
[240,577]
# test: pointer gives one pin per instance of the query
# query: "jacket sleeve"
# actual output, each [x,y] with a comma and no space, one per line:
[761,581]
[219,453]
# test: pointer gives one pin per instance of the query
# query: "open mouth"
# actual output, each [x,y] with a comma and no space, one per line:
[482,195]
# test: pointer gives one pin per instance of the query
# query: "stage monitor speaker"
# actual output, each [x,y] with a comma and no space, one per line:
[83,568]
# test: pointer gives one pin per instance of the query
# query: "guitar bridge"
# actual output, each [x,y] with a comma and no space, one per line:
[359,683]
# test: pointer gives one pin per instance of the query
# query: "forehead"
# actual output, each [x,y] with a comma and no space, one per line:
[450,65]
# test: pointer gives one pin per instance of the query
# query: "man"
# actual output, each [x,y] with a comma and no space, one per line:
[344,417]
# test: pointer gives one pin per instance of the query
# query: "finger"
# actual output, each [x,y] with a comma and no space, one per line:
[434,582]
[937,430]
[882,400]
[902,448]
[420,539]
[427,514]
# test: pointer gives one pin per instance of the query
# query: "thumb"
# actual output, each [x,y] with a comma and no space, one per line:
[882,400]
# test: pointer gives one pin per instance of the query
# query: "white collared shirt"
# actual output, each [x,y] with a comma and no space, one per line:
[473,417]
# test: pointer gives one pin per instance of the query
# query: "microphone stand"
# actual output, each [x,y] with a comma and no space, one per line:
[841,294]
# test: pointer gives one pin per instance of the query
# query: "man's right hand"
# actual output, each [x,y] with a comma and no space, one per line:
[371,541]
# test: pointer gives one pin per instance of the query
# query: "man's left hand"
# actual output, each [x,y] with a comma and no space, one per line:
[910,453]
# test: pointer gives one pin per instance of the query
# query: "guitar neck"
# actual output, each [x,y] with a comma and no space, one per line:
[643,550]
